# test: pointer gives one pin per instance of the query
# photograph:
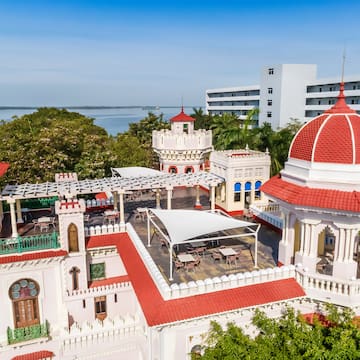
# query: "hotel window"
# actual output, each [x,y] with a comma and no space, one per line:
[271,71]
[270,90]
[100,307]
[269,102]
[269,114]
[257,190]
[97,271]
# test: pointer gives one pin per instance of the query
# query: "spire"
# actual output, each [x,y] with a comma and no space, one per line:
[341,107]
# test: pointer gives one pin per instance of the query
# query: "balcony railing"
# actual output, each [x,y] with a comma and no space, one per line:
[27,333]
[29,243]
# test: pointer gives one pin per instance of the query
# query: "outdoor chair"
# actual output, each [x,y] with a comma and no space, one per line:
[231,260]
[216,256]
[178,265]
[190,266]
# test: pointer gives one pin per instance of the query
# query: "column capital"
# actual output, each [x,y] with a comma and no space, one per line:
[347,226]
[11,201]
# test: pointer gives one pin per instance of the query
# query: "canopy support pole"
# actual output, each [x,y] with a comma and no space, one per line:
[148,227]
[171,262]
[256,248]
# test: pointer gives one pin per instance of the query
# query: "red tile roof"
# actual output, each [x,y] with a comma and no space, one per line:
[159,311]
[32,256]
[109,281]
[103,240]
[38,355]
[182,117]
[3,168]
[305,196]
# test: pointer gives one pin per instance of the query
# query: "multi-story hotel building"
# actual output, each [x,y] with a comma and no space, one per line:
[286,91]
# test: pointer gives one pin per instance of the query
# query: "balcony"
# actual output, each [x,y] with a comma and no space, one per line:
[29,243]
[18,335]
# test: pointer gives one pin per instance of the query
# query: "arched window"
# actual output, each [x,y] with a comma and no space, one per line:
[257,190]
[189,170]
[173,170]
[73,238]
[237,192]
[74,272]
[24,296]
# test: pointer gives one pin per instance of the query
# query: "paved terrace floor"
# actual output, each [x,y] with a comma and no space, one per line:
[268,241]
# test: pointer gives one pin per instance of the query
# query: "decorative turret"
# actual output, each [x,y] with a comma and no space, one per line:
[182,149]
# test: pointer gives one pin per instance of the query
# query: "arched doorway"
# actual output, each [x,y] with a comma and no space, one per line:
[73,240]
[326,249]
[24,296]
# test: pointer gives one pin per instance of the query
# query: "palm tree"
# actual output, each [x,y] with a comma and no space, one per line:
[202,120]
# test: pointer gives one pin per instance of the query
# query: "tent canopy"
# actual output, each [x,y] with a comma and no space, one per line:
[184,225]
[135,171]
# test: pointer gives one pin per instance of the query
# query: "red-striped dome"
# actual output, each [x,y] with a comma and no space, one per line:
[333,137]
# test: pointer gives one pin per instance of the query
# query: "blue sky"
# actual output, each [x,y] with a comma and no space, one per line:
[155,52]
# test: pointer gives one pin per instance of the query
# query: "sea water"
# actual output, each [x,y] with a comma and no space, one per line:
[113,120]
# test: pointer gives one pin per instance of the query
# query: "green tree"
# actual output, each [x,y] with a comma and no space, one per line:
[53,140]
[202,120]
[336,336]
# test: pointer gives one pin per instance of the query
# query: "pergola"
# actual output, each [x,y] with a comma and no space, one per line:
[190,226]
[117,185]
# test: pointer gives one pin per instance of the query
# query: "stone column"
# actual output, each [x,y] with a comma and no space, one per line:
[19,218]
[115,197]
[197,197]
[14,232]
[212,197]
[122,212]
[344,267]
[157,196]
[169,196]
[306,256]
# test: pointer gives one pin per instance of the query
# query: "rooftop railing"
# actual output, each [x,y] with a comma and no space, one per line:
[27,333]
[29,243]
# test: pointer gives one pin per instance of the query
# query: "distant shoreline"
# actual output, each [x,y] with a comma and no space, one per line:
[92,107]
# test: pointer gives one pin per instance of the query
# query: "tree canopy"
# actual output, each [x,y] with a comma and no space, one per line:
[52,140]
[287,338]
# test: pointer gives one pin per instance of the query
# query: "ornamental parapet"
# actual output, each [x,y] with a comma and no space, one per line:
[70,206]
[98,290]
[95,332]
[199,139]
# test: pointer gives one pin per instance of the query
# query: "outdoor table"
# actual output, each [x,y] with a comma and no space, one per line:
[186,258]
[227,251]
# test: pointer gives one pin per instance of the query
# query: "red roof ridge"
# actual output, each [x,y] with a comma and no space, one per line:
[38,355]
[312,197]
[32,256]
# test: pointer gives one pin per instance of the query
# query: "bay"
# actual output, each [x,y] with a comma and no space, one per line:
[113,120]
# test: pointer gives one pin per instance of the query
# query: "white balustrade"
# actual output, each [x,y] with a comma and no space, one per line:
[96,332]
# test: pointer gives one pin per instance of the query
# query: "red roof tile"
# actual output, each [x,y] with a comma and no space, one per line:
[159,311]
[305,196]
[182,117]
[109,281]
[38,355]
[3,168]
[103,240]
[32,256]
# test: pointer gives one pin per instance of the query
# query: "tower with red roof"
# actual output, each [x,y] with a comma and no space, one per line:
[182,149]
[319,194]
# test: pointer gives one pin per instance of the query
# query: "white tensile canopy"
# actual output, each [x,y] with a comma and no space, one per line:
[189,226]
[135,171]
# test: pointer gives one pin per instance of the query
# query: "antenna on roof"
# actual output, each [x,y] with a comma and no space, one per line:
[182,103]
[343,64]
